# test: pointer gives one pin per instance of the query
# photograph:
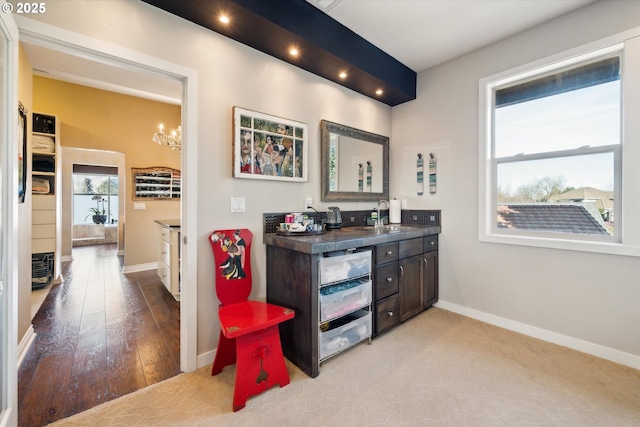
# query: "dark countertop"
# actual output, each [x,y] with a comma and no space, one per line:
[349,237]
[169,223]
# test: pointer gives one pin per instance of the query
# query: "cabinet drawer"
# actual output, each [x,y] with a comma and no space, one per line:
[386,280]
[43,201]
[387,252]
[43,231]
[339,299]
[165,275]
[40,246]
[387,313]
[165,234]
[343,336]
[344,267]
[410,247]
[431,243]
[43,217]
[165,252]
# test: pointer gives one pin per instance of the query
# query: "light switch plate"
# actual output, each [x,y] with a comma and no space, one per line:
[139,206]
[238,204]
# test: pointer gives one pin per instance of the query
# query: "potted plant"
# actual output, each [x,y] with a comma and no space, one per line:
[99,215]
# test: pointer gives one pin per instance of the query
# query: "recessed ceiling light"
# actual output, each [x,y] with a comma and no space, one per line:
[343,74]
[379,92]
[224,19]
[293,51]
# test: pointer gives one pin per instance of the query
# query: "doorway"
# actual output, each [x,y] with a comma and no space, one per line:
[64,42]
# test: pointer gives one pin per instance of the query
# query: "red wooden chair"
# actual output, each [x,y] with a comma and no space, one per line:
[249,334]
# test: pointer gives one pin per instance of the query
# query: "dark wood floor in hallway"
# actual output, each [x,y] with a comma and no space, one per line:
[100,334]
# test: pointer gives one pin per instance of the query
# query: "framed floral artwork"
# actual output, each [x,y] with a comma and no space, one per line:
[269,147]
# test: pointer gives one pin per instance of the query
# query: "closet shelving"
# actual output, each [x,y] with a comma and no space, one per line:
[46,200]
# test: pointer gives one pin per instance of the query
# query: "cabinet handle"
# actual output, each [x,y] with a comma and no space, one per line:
[390,313]
[401,271]
[432,243]
[389,252]
[426,263]
[389,279]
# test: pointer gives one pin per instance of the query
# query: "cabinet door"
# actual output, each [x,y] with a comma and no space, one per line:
[430,278]
[410,286]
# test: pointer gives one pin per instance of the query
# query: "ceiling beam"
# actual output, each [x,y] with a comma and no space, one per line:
[325,46]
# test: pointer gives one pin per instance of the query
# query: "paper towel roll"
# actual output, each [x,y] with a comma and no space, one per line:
[395,211]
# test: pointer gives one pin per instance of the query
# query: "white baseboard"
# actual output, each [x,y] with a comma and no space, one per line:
[597,350]
[25,343]
[205,359]
[140,267]
[66,258]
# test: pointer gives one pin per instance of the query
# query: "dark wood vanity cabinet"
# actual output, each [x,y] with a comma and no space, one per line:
[402,276]
[406,280]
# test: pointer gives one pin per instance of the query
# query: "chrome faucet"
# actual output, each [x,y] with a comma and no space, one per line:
[379,222]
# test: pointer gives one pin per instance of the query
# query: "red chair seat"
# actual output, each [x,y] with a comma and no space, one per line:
[250,316]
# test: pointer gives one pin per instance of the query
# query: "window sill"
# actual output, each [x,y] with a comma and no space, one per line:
[607,248]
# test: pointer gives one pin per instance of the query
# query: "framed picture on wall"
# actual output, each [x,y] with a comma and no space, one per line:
[22,152]
[269,147]
[156,183]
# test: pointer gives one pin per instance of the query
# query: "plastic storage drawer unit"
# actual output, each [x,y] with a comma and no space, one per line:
[344,267]
[344,336]
[340,299]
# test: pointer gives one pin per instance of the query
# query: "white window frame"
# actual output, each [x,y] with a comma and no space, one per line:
[626,238]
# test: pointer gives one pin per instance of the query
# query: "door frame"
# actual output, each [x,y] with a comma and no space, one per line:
[9,226]
[38,33]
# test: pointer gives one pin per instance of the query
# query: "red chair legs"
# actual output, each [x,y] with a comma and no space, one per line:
[259,362]
[225,355]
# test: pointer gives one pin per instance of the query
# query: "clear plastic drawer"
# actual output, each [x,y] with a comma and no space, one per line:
[345,297]
[344,267]
[345,335]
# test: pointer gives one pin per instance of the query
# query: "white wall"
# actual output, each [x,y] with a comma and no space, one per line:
[582,300]
[229,74]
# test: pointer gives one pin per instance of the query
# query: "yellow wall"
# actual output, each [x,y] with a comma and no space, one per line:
[101,120]
[24,209]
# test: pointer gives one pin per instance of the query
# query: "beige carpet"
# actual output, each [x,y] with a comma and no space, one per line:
[438,369]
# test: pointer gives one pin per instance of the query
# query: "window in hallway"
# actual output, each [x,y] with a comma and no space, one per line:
[95,194]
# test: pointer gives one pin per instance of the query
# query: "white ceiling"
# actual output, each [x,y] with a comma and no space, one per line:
[82,71]
[418,33]
[424,33]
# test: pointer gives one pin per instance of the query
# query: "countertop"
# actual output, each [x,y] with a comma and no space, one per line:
[350,237]
[169,223]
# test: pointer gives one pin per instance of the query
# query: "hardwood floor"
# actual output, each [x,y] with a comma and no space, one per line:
[100,335]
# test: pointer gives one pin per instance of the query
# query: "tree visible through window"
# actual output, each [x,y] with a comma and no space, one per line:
[95,195]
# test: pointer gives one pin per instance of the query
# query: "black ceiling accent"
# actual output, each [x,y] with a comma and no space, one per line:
[326,46]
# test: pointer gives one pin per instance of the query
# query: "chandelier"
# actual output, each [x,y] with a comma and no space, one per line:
[172,140]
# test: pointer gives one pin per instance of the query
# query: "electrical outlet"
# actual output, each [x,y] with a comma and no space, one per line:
[308,202]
